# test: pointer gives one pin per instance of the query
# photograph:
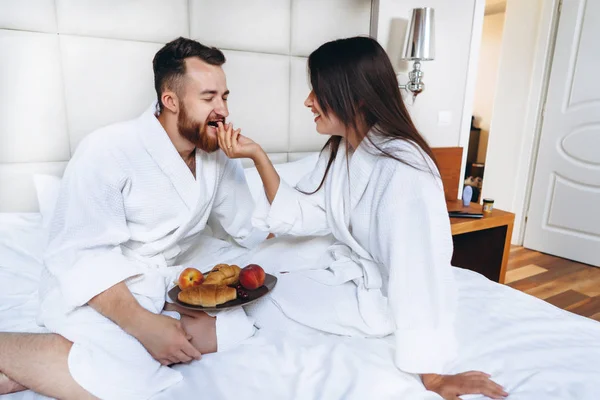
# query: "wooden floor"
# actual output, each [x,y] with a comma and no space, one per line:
[566,284]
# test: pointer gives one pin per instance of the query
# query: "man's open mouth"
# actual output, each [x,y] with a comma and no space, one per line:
[215,124]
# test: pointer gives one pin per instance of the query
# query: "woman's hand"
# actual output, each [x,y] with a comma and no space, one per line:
[472,382]
[235,145]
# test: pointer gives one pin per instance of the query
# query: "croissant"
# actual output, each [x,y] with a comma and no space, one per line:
[207,295]
[223,274]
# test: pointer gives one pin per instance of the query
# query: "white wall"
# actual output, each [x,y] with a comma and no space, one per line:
[446,77]
[487,74]
[523,65]
[58,59]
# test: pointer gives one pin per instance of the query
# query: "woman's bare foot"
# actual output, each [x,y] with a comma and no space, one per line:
[7,385]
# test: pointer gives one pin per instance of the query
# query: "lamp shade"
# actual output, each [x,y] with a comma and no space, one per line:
[419,43]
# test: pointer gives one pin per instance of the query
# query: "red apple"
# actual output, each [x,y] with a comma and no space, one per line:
[252,276]
[190,277]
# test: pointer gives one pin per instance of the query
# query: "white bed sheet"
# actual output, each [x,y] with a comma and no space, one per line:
[535,350]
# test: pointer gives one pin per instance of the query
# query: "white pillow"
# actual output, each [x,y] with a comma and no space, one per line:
[290,172]
[47,188]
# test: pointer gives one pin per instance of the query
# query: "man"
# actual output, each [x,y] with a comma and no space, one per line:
[134,199]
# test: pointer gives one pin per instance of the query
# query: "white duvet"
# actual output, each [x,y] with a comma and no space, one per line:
[535,350]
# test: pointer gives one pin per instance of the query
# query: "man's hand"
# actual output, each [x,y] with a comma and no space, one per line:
[162,336]
[165,339]
[472,382]
[234,144]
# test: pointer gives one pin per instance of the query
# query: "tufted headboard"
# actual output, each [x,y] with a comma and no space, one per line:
[68,67]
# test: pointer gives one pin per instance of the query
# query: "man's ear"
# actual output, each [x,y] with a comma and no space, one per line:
[170,101]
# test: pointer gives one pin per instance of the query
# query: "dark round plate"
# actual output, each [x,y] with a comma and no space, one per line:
[253,295]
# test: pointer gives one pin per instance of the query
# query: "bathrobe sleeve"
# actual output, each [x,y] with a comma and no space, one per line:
[294,212]
[415,243]
[89,225]
[233,206]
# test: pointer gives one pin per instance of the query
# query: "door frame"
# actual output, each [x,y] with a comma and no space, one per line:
[534,123]
[532,97]
[469,99]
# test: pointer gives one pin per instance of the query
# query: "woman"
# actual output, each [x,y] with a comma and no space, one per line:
[376,188]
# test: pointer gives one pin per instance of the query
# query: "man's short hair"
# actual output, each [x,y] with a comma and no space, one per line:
[169,63]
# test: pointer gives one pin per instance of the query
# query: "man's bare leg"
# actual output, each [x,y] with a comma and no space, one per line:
[39,362]
[200,326]
[7,385]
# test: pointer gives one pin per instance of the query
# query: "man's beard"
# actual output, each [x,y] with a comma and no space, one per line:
[195,132]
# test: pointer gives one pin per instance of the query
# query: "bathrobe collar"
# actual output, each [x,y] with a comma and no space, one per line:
[348,179]
[162,150]
[362,163]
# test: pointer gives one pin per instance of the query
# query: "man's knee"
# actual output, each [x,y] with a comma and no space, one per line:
[202,328]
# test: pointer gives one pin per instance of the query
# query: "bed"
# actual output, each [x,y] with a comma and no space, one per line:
[534,349]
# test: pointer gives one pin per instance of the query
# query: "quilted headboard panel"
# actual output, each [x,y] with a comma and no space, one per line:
[69,67]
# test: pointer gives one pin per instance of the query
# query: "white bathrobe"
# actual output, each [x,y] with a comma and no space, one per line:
[389,271]
[130,210]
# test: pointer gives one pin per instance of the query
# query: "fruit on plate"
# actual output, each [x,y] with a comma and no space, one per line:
[190,277]
[252,276]
[242,293]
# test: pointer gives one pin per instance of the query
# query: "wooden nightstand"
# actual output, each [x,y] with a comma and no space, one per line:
[482,245]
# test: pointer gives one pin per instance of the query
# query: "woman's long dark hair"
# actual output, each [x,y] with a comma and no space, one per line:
[354,79]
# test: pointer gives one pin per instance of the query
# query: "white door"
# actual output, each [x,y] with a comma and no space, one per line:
[564,213]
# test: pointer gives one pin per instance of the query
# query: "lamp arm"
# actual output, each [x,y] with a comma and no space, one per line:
[415,80]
